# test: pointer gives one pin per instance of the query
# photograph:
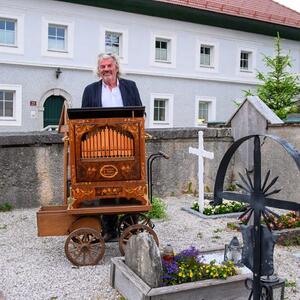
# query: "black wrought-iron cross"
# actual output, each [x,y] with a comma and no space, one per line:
[257,195]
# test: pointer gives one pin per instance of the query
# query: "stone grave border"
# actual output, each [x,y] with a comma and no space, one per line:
[131,286]
[203,216]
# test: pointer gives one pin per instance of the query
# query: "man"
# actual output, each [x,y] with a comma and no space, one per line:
[110,91]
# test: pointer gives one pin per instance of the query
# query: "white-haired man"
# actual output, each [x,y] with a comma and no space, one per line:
[110,90]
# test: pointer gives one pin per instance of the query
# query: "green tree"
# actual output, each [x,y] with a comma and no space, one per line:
[279,87]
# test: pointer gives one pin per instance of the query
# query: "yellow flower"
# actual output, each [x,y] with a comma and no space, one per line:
[180,274]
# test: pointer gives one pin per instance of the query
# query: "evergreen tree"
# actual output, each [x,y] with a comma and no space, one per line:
[279,87]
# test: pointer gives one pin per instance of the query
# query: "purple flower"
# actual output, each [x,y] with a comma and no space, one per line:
[170,267]
[190,252]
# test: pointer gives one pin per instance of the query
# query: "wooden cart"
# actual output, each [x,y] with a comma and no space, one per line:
[104,157]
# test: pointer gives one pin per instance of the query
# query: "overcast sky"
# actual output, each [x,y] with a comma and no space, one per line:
[293,4]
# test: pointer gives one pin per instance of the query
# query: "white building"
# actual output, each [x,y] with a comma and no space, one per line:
[190,59]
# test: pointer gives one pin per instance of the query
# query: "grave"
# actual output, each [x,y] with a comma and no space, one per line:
[253,116]
[132,287]
[201,153]
[258,239]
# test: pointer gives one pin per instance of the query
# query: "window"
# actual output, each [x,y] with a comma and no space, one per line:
[10,104]
[8,32]
[245,61]
[161,110]
[162,50]
[6,103]
[11,33]
[205,109]
[57,37]
[206,55]
[113,42]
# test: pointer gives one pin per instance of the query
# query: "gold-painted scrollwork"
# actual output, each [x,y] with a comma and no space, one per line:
[132,128]
[91,171]
[80,130]
[126,169]
[80,193]
[108,191]
[139,190]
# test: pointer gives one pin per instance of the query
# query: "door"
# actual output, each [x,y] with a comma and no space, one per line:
[52,110]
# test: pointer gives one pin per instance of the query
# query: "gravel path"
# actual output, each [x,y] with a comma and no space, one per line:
[36,268]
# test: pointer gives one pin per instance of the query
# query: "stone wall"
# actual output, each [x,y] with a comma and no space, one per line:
[32,164]
[31,169]
[175,175]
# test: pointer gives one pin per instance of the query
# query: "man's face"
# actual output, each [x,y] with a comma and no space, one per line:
[108,70]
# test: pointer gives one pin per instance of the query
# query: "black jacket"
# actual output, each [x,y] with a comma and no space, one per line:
[93,92]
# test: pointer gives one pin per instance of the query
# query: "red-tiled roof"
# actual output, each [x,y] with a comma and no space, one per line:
[262,10]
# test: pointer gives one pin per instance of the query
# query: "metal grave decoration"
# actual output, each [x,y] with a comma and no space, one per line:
[201,153]
[257,238]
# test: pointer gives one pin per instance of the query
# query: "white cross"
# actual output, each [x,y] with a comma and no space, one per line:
[201,153]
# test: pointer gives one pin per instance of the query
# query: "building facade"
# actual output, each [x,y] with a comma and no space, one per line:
[186,71]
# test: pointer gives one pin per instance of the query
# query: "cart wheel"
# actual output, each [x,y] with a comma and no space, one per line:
[133,230]
[132,219]
[84,246]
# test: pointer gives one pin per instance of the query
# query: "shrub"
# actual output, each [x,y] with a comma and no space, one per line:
[158,210]
[6,206]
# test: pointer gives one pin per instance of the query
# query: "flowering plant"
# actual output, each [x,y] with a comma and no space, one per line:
[188,266]
[285,221]
[225,208]
[289,220]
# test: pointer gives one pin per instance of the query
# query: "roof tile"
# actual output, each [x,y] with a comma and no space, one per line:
[262,10]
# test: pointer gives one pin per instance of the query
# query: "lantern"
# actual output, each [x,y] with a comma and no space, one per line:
[272,288]
[168,254]
[233,252]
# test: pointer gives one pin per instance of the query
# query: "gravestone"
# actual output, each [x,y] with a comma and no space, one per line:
[142,256]
[201,153]
[252,117]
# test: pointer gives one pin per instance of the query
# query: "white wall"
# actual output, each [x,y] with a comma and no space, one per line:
[224,82]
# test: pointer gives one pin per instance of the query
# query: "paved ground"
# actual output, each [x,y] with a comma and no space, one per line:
[36,268]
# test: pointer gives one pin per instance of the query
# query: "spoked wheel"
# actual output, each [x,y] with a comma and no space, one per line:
[84,246]
[132,219]
[133,230]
